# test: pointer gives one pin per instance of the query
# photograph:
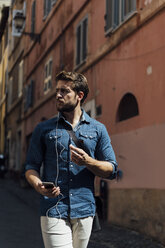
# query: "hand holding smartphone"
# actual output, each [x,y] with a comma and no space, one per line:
[48,185]
[49,189]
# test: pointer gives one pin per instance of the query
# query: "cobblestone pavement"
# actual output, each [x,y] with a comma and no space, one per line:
[117,237]
[110,236]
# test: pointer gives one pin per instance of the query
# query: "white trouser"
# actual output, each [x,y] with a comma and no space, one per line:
[66,233]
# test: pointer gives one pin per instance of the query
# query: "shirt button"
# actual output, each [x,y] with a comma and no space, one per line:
[71,180]
[71,165]
[71,194]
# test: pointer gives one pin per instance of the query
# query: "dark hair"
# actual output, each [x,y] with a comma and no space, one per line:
[79,81]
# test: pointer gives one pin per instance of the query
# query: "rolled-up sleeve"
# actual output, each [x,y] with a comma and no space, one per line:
[35,153]
[105,152]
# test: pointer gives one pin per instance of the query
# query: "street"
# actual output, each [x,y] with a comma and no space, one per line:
[19,223]
[20,227]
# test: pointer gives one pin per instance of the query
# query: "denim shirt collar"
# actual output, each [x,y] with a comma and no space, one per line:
[84,118]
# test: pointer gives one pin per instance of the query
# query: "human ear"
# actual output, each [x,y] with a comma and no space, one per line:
[80,95]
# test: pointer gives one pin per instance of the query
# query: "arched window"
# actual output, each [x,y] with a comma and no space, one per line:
[128,107]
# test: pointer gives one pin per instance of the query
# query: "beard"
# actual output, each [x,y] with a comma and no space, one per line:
[69,107]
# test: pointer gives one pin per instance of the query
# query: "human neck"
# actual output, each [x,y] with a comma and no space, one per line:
[74,116]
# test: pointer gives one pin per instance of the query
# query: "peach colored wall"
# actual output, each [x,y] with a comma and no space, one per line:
[135,66]
[97,35]
[139,209]
[140,154]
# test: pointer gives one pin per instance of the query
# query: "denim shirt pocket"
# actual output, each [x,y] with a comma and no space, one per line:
[89,138]
[57,142]
[53,142]
[54,136]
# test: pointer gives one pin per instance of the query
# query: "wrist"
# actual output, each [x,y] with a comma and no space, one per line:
[36,183]
[91,162]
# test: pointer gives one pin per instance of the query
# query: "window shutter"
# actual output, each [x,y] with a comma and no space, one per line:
[84,44]
[50,67]
[78,45]
[33,17]
[109,14]
[28,97]
[122,10]
[126,7]
[49,6]
[49,83]
[133,5]
[10,91]
[50,74]
[45,8]
[20,79]
[25,98]
[46,71]
[30,93]
[116,12]
[129,6]
[45,86]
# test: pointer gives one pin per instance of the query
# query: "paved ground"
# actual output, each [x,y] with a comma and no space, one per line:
[116,237]
[19,223]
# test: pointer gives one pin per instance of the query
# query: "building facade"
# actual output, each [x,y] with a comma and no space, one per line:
[14,97]
[119,47]
[3,71]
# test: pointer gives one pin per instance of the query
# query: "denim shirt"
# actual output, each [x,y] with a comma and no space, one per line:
[50,146]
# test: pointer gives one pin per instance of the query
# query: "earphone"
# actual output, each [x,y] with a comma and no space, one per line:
[56,180]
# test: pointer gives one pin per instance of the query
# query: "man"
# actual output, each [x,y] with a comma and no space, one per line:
[68,208]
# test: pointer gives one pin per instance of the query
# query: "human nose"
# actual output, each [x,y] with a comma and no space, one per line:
[58,94]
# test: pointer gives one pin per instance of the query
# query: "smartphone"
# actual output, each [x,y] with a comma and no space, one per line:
[48,185]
